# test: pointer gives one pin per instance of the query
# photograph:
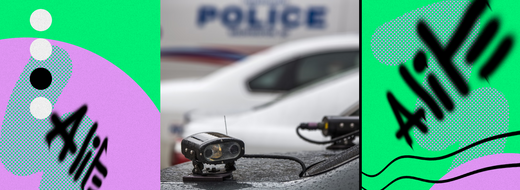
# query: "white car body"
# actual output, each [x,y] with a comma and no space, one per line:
[226,90]
[272,128]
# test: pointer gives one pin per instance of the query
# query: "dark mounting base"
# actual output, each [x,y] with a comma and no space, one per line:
[342,144]
[208,177]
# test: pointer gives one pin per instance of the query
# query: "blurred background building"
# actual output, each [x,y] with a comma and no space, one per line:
[265,64]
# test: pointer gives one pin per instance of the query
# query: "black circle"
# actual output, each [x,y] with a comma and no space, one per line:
[41,78]
[208,153]
[419,61]
[96,142]
[233,149]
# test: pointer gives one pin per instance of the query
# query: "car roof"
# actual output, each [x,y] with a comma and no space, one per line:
[343,40]
[282,53]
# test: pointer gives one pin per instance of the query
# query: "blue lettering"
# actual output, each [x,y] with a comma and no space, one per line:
[286,17]
[246,21]
[229,21]
[316,18]
[272,16]
[206,13]
[253,21]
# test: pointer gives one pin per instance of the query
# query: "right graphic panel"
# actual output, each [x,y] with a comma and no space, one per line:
[440,94]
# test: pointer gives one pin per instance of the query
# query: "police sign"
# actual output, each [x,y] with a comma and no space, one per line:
[189,23]
[279,18]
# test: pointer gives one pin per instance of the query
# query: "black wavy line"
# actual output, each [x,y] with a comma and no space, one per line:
[448,155]
[458,177]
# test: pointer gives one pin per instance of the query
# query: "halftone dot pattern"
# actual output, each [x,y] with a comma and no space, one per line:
[17,113]
[56,175]
[397,41]
[483,113]
[23,149]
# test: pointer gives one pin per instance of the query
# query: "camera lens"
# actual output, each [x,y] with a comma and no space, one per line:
[208,153]
[233,149]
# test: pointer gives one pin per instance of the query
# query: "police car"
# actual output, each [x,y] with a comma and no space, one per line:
[256,80]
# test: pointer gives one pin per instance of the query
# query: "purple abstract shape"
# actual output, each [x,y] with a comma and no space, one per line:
[10,181]
[506,178]
[124,112]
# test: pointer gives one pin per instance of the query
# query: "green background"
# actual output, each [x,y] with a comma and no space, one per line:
[126,33]
[379,144]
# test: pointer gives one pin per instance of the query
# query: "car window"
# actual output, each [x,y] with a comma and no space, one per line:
[315,67]
[304,70]
[272,79]
[356,113]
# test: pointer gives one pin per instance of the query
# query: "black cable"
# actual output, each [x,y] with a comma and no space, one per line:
[503,135]
[304,168]
[457,177]
[278,157]
[325,142]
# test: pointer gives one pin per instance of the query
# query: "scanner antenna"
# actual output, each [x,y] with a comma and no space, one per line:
[225,124]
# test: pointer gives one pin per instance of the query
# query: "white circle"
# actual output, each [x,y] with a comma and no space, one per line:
[41,49]
[41,19]
[41,108]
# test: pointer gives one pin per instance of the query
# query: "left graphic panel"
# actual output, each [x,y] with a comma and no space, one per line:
[79,95]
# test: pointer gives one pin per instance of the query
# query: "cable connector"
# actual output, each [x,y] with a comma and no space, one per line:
[311,126]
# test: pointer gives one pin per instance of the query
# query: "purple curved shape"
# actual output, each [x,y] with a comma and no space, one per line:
[506,178]
[124,112]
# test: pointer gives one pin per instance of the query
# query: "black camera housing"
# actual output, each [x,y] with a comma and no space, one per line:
[335,126]
[193,147]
